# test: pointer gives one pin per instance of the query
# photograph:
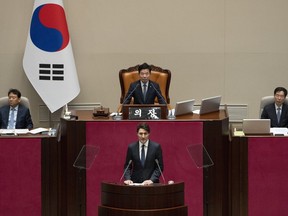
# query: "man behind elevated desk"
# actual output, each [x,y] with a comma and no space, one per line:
[144,91]
[142,158]
[277,112]
[15,115]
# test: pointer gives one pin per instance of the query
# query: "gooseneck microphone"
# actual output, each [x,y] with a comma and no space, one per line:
[126,99]
[158,92]
[130,161]
[117,116]
[157,162]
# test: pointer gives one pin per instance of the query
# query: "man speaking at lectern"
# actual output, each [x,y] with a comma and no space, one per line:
[143,159]
[144,91]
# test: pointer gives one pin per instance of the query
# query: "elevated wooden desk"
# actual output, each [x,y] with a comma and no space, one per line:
[259,176]
[210,185]
[155,200]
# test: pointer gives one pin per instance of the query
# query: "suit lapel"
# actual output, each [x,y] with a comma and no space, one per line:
[148,150]
[19,112]
[7,116]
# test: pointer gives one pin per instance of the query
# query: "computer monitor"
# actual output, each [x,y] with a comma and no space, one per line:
[209,105]
[256,126]
[184,107]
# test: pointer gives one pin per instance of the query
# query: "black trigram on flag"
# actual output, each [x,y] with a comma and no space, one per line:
[53,72]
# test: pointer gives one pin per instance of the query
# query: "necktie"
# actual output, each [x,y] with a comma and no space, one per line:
[144,90]
[143,155]
[278,114]
[11,121]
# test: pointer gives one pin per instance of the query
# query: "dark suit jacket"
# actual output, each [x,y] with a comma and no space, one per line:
[23,120]
[269,112]
[150,171]
[135,91]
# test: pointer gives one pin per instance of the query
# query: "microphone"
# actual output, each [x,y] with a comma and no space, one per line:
[130,161]
[117,116]
[158,92]
[157,162]
[126,99]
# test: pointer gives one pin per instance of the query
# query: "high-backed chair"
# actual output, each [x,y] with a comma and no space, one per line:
[267,100]
[158,75]
[24,101]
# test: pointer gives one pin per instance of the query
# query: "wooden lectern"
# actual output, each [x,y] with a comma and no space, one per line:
[154,200]
[144,111]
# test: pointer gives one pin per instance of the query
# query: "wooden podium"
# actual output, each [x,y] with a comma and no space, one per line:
[155,200]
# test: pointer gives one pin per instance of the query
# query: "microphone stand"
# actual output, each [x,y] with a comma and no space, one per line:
[157,162]
[130,161]
[158,93]
[170,115]
[118,116]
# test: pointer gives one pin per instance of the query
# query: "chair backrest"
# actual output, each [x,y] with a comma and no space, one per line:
[24,101]
[158,75]
[267,100]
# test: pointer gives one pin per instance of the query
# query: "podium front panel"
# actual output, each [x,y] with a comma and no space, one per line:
[142,197]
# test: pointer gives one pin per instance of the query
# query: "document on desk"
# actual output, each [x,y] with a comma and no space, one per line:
[196,111]
[278,131]
[38,130]
[13,131]
[21,131]
[136,184]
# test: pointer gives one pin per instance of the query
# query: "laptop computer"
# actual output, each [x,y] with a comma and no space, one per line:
[209,105]
[256,126]
[184,107]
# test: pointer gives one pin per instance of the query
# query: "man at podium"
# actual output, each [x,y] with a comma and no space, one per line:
[143,159]
[144,91]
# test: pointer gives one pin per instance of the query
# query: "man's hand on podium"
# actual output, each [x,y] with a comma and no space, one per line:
[128,182]
[147,182]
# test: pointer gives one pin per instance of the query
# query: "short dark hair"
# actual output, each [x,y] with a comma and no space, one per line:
[278,89]
[15,91]
[144,126]
[144,66]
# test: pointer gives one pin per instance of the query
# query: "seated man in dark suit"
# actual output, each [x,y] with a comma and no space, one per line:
[143,159]
[15,115]
[277,112]
[144,91]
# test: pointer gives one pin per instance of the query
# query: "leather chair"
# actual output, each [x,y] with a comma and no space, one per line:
[267,100]
[24,101]
[158,75]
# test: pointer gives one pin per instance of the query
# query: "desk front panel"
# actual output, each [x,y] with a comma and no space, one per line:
[259,176]
[29,176]
[20,177]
